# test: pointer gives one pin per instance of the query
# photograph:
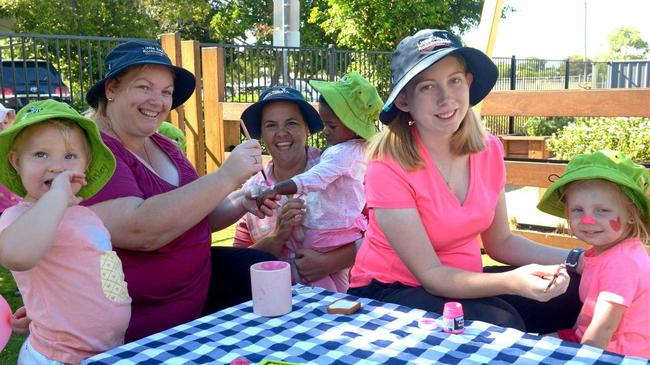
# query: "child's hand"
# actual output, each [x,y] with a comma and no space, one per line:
[70,183]
[19,321]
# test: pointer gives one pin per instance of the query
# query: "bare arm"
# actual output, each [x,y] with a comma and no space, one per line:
[314,265]
[146,225]
[607,317]
[290,215]
[414,248]
[25,241]
[504,246]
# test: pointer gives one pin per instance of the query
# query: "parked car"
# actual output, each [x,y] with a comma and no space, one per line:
[23,81]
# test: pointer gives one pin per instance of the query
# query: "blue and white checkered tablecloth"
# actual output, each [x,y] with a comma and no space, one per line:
[379,333]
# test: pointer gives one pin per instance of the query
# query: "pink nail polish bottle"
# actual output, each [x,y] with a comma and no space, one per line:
[452,318]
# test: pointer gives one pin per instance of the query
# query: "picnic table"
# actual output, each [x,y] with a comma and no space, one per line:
[379,333]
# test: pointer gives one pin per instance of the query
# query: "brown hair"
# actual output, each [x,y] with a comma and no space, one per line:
[397,140]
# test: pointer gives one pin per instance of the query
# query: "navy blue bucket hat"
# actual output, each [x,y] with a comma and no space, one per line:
[138,52]
[253,114]
[417,52]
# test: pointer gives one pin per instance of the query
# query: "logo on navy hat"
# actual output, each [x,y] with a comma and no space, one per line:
[433,42]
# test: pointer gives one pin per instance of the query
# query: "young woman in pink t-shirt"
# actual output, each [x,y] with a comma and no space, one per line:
[603,195]
[435,189]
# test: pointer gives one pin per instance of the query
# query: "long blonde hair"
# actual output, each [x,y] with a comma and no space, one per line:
[397,141]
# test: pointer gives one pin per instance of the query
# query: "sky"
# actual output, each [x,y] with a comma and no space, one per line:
[555,29]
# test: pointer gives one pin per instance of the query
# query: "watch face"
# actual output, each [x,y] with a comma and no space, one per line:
[572,258]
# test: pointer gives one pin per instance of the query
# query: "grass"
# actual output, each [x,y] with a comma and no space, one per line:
[7,288]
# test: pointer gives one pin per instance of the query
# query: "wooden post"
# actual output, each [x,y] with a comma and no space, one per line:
[213,95]
[171,44]
[194,126]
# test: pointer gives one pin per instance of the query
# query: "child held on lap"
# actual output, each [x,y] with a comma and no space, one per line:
[334,187]
[604,198]
[60,253]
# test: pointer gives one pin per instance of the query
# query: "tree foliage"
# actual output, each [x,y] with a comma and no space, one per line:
[625,43]
[380,25]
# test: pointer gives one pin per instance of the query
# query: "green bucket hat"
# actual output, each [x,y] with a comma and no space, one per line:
[354,101]
[607,165]
[174,133]
[102,163]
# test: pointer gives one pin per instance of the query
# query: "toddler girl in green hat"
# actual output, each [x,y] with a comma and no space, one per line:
[60,253]
[334,198]
[603,196]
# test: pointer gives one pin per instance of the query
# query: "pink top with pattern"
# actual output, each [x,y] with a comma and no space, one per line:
[76,295]
[453,228]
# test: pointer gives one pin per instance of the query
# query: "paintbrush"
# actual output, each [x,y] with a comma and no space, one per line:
[248,136]
[557,273]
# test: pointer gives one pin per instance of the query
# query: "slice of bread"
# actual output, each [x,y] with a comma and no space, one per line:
[343,306]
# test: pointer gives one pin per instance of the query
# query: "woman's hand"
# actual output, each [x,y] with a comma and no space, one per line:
[19,321]
[532,281]
[311,265]
[257,206]
[290,215]
[243,162]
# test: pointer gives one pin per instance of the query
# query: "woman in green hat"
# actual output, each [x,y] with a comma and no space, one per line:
[604,197]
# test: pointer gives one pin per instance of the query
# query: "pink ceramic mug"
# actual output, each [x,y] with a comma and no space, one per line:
[271,288]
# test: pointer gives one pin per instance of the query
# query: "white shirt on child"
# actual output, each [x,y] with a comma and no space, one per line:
[334,187]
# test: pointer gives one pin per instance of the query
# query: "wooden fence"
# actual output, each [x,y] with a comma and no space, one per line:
[212,126]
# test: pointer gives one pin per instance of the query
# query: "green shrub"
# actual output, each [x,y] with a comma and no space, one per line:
[545,126]
[628,135]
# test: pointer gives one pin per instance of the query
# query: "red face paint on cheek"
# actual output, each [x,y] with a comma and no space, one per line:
[615,224]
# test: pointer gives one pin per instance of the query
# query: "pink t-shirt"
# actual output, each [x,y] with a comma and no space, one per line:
[619,275]
[7,198]
[76,295]
[452,228]
[169,286]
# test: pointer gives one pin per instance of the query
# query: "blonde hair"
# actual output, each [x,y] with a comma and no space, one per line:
[639,226]
[64,126]
[398,143]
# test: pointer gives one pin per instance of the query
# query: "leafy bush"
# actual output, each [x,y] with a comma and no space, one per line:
[628,135]
[545,126]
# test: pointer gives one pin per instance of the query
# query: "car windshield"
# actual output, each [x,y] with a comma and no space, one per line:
[27,73]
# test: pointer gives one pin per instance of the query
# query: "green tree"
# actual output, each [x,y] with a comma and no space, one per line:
[380,25]
[625,43]
[116,18]
[238,20]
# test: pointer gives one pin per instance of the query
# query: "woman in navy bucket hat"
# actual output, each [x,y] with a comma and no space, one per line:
[133,53]
[435,189]
[252,115]
[159,212]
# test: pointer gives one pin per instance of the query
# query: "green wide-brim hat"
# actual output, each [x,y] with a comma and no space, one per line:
[354,101]
[102,162]
[174,133]
[612,166]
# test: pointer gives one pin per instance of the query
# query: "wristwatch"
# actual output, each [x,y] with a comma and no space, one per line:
[572,259]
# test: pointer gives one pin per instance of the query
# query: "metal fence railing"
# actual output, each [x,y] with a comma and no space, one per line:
[36,66]
[64,67]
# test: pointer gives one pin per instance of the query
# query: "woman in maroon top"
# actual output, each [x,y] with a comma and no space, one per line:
[159,212]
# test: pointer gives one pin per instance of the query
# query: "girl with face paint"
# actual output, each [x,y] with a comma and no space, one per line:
[604,198]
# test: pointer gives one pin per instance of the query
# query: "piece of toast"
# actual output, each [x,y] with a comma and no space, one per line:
[343,306]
